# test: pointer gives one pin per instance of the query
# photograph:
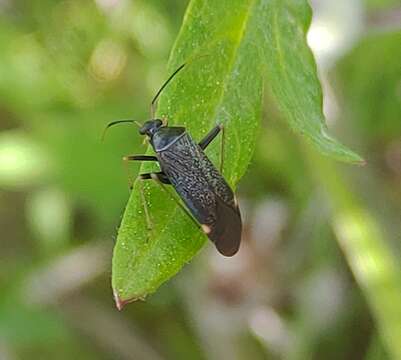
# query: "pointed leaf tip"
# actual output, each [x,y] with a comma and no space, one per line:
[119,302]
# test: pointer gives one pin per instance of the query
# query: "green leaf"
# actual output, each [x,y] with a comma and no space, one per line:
[292,75]
[230,47]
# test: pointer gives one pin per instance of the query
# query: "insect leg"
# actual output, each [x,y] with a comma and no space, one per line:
[135,158]
[210,136]
[139,158]
[161,176]
[172,197]
[222,150]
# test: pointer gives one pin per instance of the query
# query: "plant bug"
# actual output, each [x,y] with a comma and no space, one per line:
[201,187]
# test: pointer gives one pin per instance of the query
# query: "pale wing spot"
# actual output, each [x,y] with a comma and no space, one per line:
[235,201]
[206,229]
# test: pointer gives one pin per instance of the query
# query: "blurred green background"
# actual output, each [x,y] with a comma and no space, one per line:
[318,235]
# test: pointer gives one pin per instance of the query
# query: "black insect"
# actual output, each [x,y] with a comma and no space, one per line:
[202,188]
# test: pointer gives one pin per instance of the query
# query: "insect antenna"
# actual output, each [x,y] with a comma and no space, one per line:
[119,122]
[154,101]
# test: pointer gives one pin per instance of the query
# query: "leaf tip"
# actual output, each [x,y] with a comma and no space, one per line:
[119,302]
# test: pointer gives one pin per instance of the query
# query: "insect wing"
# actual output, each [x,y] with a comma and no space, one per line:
[205,193]
[226,231]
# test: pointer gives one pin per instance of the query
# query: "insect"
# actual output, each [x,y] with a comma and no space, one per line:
[201,187]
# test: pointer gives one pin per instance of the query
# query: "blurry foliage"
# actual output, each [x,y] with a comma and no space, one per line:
[66,69]
[381,4]
[379,57]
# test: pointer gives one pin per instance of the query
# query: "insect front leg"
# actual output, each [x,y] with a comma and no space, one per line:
[135,158]
[139,158]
